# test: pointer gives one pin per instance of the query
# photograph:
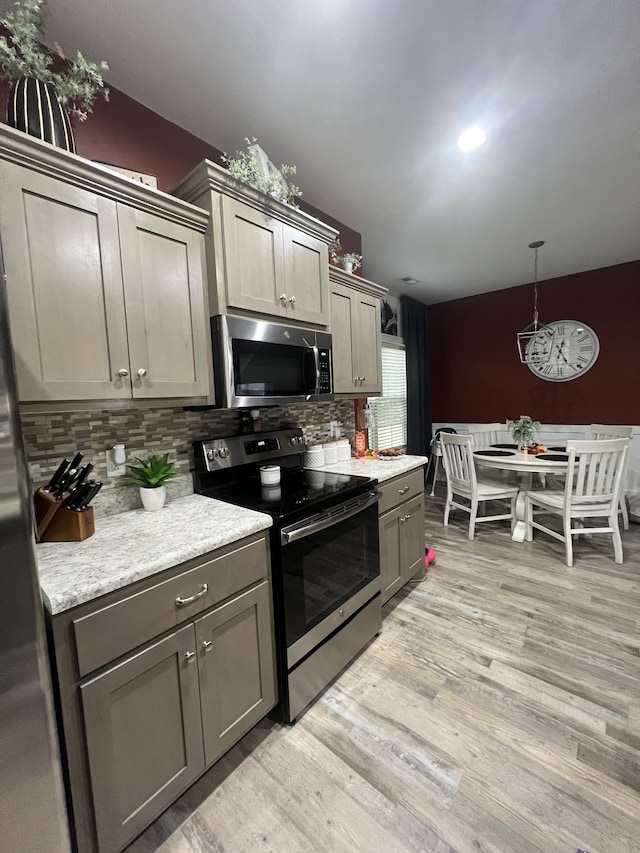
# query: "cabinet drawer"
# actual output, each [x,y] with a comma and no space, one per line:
[401,489]
[105,634]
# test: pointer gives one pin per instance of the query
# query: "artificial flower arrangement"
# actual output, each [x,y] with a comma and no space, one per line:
[22,54]
[349,258]
[254,168]
[523,430]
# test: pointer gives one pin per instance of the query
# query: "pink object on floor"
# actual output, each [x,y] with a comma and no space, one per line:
[430,557]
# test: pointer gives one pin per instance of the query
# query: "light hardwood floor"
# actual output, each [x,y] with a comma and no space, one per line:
[498,711]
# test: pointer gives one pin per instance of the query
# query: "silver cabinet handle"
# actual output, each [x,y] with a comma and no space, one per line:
[207,645]
[292,300]
[142,372]
[189,656]
[180,602]
[123,372]
[402,491]
[404,518]
[283,298]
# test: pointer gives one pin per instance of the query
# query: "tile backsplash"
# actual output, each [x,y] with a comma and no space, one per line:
[51,437]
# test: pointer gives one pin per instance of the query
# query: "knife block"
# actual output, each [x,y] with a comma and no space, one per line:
[46,506]
[70,525]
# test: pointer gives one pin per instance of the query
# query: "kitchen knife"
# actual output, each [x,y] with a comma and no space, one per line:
[94,491]
[79,494]
[53,482]
[77,459]
[83,473]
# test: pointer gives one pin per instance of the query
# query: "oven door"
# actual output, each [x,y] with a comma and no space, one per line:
[330,569]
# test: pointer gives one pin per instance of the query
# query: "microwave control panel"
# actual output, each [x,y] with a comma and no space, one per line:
[324,357]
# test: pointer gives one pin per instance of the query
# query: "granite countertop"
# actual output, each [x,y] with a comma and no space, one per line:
[136,544]
[385,469]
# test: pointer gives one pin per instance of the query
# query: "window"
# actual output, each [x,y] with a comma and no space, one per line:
[389,412]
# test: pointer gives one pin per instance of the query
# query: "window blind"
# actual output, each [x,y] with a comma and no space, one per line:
[389,412]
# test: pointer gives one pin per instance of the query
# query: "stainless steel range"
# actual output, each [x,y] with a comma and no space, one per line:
[324,554]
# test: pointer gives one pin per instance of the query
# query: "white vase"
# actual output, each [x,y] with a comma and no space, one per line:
[153,499]
[348,266]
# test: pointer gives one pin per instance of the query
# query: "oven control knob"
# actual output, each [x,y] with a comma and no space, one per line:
[300,439]
[210,454]
[223,452]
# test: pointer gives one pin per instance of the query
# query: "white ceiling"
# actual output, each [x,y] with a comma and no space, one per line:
[367,99]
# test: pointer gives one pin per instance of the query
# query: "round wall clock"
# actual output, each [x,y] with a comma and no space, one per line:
[573,348]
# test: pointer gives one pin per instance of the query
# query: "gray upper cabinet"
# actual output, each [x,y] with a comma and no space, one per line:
[263,256]
[105,280]
[355,325]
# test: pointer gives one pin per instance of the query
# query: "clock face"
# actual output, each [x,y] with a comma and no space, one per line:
[573,348]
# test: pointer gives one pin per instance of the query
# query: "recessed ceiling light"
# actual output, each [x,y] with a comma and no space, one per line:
[408,280]
[471,138]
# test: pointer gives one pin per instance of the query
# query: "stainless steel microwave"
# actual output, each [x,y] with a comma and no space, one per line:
[258,362]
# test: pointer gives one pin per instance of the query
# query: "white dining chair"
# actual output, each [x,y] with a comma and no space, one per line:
[484,435]
[603,432]
[462,480]
[592,489]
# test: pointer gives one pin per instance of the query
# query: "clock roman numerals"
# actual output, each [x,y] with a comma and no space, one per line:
[570,347]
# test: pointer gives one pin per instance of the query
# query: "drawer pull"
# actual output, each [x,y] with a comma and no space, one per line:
[180,602]
[402,491]
[189,656]
[207,645]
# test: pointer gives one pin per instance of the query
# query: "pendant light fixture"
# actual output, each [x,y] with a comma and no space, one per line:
[534,341]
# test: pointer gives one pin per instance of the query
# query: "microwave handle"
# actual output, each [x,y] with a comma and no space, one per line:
[316,361]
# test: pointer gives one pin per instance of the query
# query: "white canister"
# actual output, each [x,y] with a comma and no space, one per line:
[314,456]
[344,450]
[330,452]
[270,475]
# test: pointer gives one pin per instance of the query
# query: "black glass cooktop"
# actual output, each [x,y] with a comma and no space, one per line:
[300,493]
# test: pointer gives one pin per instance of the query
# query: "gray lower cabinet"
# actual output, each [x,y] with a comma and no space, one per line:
[156,681]
[401,532]
[143,736]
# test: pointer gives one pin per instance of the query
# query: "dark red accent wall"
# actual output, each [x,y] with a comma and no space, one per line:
[123,132]
[476,372]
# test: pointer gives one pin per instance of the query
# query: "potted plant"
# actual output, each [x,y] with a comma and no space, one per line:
[349,261]
[42,99]
[523,430]
[151,476]
[253,167]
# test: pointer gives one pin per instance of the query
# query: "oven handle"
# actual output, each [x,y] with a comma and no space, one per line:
[333,516]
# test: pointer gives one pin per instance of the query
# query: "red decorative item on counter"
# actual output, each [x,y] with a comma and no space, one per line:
[361,444]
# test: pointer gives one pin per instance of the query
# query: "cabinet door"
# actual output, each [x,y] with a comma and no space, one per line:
[66,306]
[369,366]
[343,329]
[237,668]
[390,532]
[412,535]
[254,259]
[306,264]
[144,737]
[162,267]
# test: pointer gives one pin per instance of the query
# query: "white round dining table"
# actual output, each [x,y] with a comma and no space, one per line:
[524,463]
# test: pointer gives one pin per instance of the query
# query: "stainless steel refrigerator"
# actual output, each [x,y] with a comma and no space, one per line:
[33,813]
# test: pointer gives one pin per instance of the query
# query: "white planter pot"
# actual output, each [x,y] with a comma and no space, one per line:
[153,499]
[348,266]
